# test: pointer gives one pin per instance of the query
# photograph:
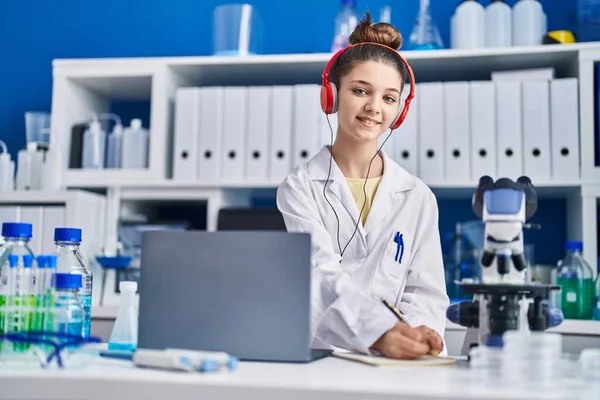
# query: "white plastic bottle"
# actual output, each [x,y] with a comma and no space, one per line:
[7,170]
[529,23]
[345,22]
[94,146]
[29,167]
[134,146]
[114,152]
[467,29]
[498,24]
[51,174]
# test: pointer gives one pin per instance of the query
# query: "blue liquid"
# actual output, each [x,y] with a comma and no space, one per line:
[72,328]
[122,346]
[86,299]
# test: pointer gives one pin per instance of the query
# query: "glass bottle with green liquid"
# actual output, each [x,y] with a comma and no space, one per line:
[576,280]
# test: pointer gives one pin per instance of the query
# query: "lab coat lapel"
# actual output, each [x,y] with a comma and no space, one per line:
[394,181]
[319,170]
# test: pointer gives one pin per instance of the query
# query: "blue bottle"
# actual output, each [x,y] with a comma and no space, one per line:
[69,260]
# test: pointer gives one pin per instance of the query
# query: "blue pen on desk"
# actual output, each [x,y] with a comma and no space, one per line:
[399,240]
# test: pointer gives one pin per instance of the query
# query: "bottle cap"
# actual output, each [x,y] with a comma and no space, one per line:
[574,245]
[13,259]
[136,123]
[128,286]
[16,230]
[42,261]
[51,261]
[68,281]
[67,235]
[27,260]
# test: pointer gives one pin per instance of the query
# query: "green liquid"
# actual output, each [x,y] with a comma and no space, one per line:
[577,297]
[2,303]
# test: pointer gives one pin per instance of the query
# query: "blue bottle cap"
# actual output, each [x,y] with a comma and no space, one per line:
[13,259]
[51,261]
[41,261]
[208,365]
[233,363]
[16,230]
[574,245]
[67,235]
[27,260]
[68,281]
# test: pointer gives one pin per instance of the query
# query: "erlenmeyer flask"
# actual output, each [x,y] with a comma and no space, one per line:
[425,34]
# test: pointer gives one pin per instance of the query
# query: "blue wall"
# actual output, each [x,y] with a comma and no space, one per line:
[33,33]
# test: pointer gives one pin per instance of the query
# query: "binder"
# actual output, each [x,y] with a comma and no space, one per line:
[564,129]
[34,216]
[536,130]
[458,131]
[257,150]
[307,113]
[509,133]
[328,125]
[211,132]
[234,133]
[280,141]
[405,151]
[186,134]
[53,217]
[431,131]
[483,130]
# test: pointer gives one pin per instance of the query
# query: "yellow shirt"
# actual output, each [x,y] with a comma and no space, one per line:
[358,189]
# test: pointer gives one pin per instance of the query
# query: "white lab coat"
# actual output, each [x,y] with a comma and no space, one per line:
[346,311]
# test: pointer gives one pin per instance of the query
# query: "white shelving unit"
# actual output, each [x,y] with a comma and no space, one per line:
[87,86]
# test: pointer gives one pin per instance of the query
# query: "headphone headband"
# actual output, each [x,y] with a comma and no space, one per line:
[328,90]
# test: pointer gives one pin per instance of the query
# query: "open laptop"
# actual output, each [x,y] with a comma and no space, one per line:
[246,293]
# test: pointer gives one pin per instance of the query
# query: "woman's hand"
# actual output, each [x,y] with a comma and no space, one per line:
[432,338]
[404,342]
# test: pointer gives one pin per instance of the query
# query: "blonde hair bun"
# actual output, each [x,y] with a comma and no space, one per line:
[382,33]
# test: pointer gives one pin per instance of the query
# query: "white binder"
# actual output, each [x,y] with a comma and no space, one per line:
[509,129]
[257,149]
[458,131]
[327,134]
[405,151]
[186,134]
[564,132]
[281,122]
[536,130]
[211,132]
[307,113]
[53,217]
[483,130]
[234,133]
[431,131]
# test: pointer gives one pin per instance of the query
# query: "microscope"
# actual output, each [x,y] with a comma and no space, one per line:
[504,299]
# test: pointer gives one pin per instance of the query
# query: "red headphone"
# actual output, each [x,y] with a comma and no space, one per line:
[329,101]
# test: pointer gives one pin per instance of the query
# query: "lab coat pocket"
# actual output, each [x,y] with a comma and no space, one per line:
[390,273]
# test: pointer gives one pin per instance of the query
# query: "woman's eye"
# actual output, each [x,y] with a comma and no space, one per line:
[359,91]
[389,99]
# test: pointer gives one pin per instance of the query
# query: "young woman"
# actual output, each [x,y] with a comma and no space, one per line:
[374,227]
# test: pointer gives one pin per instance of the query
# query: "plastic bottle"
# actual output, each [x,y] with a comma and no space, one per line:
[70,260]
[29,167]
[588,21]
[51,173]
[68,310]
[125,329]
[425,34]
[467,26]
[7,170]
[135,146]
[114,153]
[576,279]
[345,22]
[498,24]
[94,146]
[529,23]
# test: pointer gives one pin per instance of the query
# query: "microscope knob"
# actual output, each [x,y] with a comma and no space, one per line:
[485,183]
[530,196]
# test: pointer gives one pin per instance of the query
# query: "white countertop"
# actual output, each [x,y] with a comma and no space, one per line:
[329,378]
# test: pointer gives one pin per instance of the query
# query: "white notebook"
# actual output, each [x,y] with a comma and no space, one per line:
[426,361]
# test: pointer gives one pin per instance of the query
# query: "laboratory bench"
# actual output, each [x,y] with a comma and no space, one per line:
[329,378]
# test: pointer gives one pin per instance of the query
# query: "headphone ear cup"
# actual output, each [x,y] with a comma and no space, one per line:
[329,98]
[396,122]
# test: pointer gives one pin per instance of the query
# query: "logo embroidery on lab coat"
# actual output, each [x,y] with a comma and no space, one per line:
[399,240]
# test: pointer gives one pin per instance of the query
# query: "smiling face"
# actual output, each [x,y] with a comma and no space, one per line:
[369,97]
